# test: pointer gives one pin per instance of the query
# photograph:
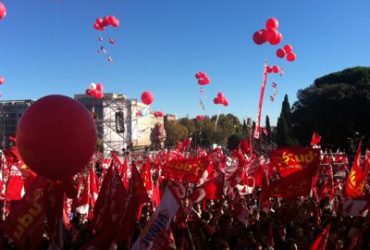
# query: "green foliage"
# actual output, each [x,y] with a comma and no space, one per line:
[175,132]
[268,128]
[205,132]
[336,106]
[233,141]
[285,135]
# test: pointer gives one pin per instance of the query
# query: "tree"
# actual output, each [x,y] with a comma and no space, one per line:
[233,141]
[158,136]
[336,105]
[285,135]
[175,132]
[268,128]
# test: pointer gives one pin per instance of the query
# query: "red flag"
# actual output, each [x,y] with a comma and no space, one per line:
[109,203]
[140,191]
[211,190]
[124,173]
[15,188]
[321,240]
[270,236]
[146,176]
[292,171]
[25,223]
[189,170]
[157,229]
[55,200]
[325,182]
[131,209]
[316,138]
[355,182]
[82,201]
[93,191]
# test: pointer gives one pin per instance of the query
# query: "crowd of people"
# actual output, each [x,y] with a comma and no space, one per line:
[239,220]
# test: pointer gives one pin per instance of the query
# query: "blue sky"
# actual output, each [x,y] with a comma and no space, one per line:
[49,46]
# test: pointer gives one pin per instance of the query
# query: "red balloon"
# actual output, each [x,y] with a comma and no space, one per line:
[275,69]
[2,10]
[158,114]
[291,57]
[220,95]
[288,48]
[276,39]
[115,22]
[56,137]
[269,69]
[200,117]
[200,75]
[216,100]
[270,34]
[147,97]
[99,21]
[2,80]
[225,102]
[280,53]
[272,23]
[99,87]
[203,81]
[259,37]
[99,95]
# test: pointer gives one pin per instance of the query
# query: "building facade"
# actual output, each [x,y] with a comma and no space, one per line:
[122,123]
[10,113]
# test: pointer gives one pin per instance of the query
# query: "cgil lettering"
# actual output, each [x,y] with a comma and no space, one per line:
[287,158]
[25,221]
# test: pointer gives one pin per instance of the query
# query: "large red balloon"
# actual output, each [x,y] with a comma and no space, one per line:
[56,137]
[272,23]
[147,97]
[2,10]
[2,80]
[258,37]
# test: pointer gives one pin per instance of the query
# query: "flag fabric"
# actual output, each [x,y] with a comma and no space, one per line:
[14,190]
[189,170]
[291,171]
[159,223]
[54,215]
[131,208]
[146,176]
[316,138]
[211,190]
[355,181]
[321,240]
[109,203]
[82,200]
[25,223]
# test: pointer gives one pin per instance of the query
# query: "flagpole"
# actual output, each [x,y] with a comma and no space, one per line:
[262,94]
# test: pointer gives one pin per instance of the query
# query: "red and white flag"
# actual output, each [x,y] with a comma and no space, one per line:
[316,138]
[157,229]
[211,190]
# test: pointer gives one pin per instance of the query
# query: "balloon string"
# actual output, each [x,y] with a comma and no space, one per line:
[218,116]
[202,98]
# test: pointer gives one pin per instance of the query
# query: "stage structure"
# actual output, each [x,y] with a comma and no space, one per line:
[111,115]
[122,123]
